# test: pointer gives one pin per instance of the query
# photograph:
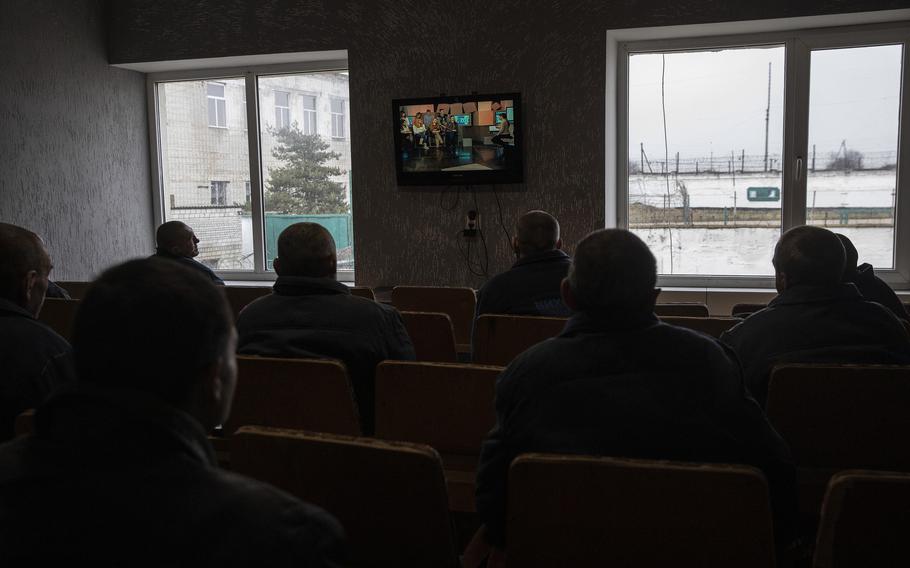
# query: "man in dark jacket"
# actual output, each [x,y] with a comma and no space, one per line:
[618,382]
[311,315]
[177,241]
[119,468]
[815,318]
[531,286]
[34,360]
[869,285]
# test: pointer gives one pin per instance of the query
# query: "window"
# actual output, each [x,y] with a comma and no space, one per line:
[217,105]
[309,115]
[725,142]
[337,118]
[238,201]
[282,110]
[219,192]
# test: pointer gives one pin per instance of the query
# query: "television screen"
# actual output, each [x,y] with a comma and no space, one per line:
[458,140]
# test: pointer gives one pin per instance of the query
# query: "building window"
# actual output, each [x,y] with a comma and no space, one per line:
[217,105]
[248,191]
[219,192]
[727,142]
[338,118]
[282,110]
[309,114]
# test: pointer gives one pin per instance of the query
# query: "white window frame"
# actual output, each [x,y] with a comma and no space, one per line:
[308,126]
[310,63]
[799,36]
[220,105]
[219,192]
[340,117]
[282,112]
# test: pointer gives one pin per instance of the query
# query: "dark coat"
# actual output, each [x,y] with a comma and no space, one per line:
[34,361]
[875,289]
[634,388]
[123,479]
[195,265]
[809,324]
[530,287]
[318,317]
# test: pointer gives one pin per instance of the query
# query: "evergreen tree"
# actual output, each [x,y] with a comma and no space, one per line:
[301,186]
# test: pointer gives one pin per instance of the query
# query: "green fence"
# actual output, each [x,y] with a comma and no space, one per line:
[339,225]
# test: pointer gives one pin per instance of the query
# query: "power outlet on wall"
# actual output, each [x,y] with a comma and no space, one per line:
[471,224]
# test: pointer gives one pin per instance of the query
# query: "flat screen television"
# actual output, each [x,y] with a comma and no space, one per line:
[470,139]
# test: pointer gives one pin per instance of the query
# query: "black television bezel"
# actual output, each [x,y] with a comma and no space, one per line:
[511,175]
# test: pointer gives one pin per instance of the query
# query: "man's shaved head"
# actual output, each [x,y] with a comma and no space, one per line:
[24,267]
[537,231]
[176,238]
[306,249]
[808,256]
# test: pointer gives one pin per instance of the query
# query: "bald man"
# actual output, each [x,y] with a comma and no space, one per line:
[34,360]
[531,286]
[311,315]
[177,241]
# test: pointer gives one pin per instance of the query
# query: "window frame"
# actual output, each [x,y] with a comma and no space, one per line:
[282,111]
[250,74]
[310,114]
[219,192]
[799,36]
[340,116]
[220,102]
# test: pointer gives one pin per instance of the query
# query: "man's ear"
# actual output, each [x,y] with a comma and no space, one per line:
[276,265]
[558,244]
[568,296]
[780,281]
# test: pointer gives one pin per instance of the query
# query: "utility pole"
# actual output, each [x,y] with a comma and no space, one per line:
[742,161]
[813,158]
[767,116]
[641,157]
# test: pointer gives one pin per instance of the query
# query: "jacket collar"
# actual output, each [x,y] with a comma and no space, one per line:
[306,286]
[816,295]
[546,256]
[605,322]
[8,308]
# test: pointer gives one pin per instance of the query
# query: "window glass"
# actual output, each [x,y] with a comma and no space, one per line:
[309,115]
[217,107]
[282,110]
[337,118]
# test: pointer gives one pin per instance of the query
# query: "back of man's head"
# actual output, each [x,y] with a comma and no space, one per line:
[613,271]
[852,256]
[809,256]
[537,231]
[306,249]
[153,326]
[23,259]
[171,234]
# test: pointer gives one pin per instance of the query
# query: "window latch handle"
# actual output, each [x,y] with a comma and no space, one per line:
[799,167]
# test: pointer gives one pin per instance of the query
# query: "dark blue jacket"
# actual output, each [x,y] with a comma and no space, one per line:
[34,361]
[529,288]
[634,388]
[875,289]
[195,265]
[125,479]
[318,317]
[810,324]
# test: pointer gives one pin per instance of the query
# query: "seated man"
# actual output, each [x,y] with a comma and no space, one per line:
[869,285]
[177,241]
[531,286]
[310,314]
[120,470]
[34,360]
[618,382]
[815,318]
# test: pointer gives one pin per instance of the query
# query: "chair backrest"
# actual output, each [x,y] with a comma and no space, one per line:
[500,338]
[59,315]
[363,292]
[596,511]
[865,521]
[239,296]
[689,310]
[712,326]
[389,497]
[740,310]
[432,335]
[25,423]
[446,406]
[75,289]
[843,416]
[458,303]
[305,394]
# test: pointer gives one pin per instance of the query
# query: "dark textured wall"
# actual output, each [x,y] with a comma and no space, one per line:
[553,52]
[74,143]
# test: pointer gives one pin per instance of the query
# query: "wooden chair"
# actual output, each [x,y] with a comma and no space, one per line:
[59,315]
[305,394]
[689,310]
[710,326]
[458,303]
[500,338]
[75,289]
[432,335]
[389,497]
[865,521]
[239,296]
[838,417]
[743,310]
[446,406]
[596,511]
[363,292]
